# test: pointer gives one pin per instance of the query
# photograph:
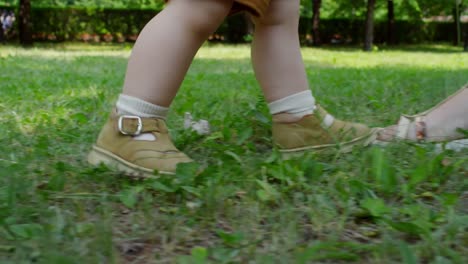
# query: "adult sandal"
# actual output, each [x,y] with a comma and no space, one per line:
[415,127]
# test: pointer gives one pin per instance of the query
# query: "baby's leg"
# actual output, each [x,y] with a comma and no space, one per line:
[298,124]
[166,47]
[276,54]
[135,139]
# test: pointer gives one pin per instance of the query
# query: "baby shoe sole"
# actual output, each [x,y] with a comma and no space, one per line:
[99,156]
[343,147]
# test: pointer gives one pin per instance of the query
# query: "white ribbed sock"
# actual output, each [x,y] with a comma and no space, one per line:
[129,105]
[297,105]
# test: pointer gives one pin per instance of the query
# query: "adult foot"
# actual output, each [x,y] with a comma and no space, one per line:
[442,123]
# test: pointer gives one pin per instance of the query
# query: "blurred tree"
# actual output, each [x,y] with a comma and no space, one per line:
[369,35]
[2,34]
[316,10]
[466,38]
[455,8]
[116,4]
[456,19]
[24,23]
[391,22]
[316,5]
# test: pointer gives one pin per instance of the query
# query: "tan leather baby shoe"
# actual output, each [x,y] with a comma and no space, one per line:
[314,133]
[136,146]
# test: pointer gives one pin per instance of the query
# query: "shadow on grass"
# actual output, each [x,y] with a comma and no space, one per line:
[442,48]
[424,48]
[79,46]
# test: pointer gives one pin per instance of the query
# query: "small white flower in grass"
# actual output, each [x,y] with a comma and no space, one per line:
[201,127]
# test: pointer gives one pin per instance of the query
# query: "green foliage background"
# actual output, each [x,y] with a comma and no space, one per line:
[405,9]
[117,4]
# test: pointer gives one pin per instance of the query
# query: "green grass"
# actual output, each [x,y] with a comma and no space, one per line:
[241,204]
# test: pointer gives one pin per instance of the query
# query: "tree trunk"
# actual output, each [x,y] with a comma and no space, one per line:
[369,37]
[391,23]
[456,20]
[316,5]
[24,23]
[2,35]
[466,38]
[249,24]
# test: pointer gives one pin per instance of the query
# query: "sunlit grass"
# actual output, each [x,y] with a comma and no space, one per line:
[374,205]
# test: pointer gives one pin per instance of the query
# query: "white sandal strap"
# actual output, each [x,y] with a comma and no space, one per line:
[420,126]
[403,127]
[414,124]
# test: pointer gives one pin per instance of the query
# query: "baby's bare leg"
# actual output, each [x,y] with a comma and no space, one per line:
[276,53]
[298,125]
[166,47]
[135,139]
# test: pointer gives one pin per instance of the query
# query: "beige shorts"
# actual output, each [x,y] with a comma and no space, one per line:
[255,7]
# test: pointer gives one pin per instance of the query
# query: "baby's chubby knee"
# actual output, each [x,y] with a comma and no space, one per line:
[280,12]
[204,16]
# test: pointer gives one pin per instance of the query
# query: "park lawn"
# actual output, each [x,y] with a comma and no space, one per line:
[240,203]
